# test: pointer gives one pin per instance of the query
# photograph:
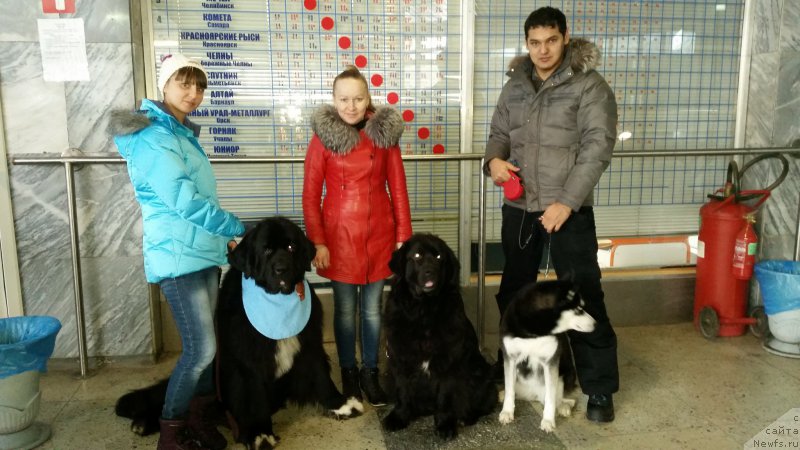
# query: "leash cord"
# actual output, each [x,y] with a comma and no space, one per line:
[547,267]
[519,236]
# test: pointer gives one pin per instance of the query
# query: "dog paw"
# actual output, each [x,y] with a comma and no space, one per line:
[393,422]
[352,408]
[266,441]
[501,395]
[565,408]
[548,426]
[138,428]
[506,417]
[447,431]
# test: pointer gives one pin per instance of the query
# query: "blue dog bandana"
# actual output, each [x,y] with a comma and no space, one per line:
[276,316]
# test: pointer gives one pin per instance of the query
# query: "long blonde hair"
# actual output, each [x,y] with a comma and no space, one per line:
[354,73]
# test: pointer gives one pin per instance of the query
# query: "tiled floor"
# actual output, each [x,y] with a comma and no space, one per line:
[678,391]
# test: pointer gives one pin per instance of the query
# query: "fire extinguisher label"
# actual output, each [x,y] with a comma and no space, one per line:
[751,248]
[701,249]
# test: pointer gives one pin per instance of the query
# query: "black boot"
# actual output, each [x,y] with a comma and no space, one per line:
[203,412]
[350,383]
[600,408]
[371,386]
[176,435]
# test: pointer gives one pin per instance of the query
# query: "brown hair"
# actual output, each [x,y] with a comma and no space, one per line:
[191,75]
[353,73]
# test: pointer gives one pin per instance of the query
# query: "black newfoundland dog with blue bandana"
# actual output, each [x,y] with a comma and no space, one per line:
[269,330]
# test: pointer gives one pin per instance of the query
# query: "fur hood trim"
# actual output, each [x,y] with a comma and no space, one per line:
[384,128]
[124,122]
[584,56]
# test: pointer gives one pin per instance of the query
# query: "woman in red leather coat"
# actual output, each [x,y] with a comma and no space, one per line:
[355,154]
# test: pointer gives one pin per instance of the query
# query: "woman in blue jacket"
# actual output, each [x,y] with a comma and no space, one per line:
[185,235]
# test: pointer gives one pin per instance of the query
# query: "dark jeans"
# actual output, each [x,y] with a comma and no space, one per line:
[573,255]
[366,298]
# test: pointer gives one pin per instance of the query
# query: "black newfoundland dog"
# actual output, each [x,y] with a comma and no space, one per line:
[257,375]
[434,358]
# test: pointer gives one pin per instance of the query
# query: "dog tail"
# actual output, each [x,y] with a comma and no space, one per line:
[140,402]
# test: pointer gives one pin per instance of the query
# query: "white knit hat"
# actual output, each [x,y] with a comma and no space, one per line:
[171,64]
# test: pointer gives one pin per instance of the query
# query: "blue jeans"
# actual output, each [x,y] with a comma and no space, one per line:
[573,251]
[368,298]
[193,300]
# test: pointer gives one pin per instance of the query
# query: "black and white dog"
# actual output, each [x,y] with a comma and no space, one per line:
[537,356]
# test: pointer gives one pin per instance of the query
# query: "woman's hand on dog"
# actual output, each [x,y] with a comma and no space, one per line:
[323,257]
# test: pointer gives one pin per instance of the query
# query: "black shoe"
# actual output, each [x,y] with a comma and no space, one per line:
[350,383]
[600,408]
[371,386]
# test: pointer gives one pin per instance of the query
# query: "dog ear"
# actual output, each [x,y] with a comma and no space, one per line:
[452,264]
[239,257]
[398,262]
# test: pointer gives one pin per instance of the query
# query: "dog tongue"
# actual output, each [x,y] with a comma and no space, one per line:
[428,284]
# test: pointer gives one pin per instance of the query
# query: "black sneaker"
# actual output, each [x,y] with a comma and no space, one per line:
[350,383]
[371,386]
[600,408]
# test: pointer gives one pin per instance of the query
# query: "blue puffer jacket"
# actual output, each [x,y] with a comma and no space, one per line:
[185,229]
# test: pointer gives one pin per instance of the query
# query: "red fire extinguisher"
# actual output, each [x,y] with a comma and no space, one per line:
[744,249]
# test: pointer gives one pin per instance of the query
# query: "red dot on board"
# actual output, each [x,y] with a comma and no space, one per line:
[424,133]
[327,23]
[438,148]
[408,115]
[392,98]
[344,42]
[310,4]
[376,80]
[361,61]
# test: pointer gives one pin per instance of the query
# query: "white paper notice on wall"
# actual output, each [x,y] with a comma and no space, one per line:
[63,46]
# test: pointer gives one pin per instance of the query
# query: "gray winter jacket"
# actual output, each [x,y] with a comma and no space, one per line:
[561,137]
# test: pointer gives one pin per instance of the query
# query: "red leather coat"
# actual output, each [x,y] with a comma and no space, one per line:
[358,220]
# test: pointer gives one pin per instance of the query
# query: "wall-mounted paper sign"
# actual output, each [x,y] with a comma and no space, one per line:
[63,46]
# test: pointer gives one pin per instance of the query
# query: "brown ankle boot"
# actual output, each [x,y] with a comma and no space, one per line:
[175,435]
[203,419]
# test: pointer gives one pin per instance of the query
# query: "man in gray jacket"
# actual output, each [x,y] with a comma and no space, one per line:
[554,127]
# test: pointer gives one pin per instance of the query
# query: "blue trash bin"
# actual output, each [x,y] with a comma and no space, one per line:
[779,282]
[26,344]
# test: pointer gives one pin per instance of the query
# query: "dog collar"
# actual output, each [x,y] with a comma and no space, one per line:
[276,316]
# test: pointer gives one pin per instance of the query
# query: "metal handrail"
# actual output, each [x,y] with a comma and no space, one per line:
[69,161]
[115,159]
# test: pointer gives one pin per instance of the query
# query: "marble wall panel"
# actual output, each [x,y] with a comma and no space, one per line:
[761,100]
[89,103]
[109,217]
[790,29]
[115,292]
[18,21]
[787,125]
[34,111]
[105,21]
[766,26]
